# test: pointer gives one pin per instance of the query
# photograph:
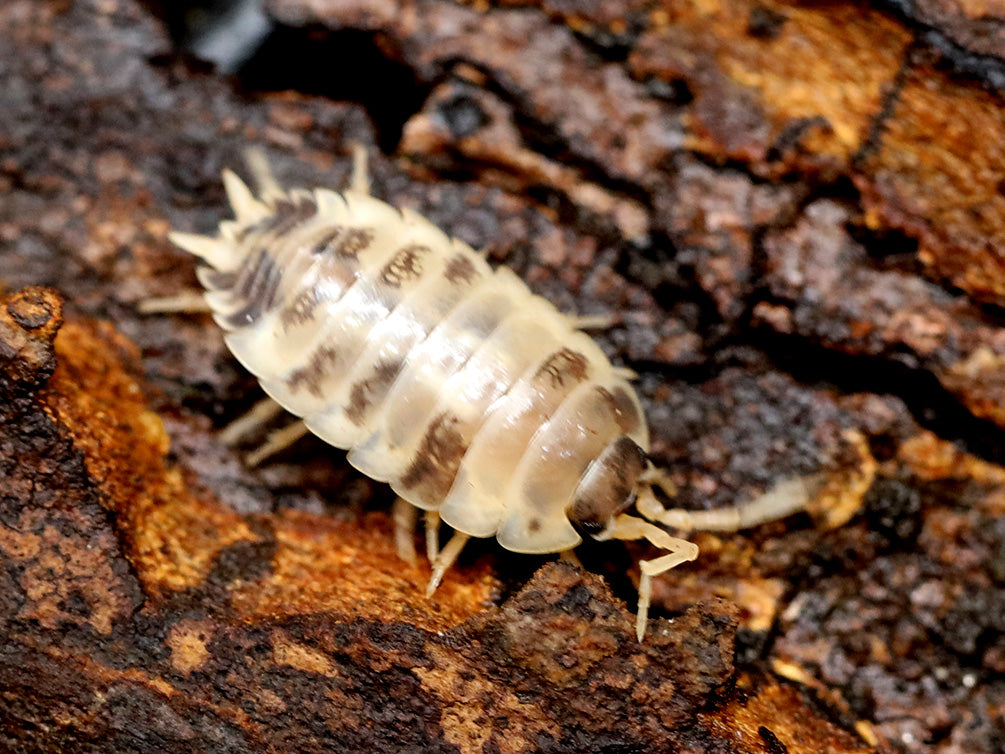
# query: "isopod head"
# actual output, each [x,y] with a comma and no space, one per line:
[608,486]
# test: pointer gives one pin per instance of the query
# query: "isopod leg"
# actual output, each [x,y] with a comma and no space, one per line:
[650,568]
[276,441]
[360,180]
[570,557]
[446,558]
[405,515]
[186,302]
[258,416]
[646,501]
[432,535]
[678,551]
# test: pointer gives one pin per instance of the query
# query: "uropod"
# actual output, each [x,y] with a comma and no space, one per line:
[475,399]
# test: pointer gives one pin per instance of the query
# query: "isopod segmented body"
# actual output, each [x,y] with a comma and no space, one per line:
[475,399]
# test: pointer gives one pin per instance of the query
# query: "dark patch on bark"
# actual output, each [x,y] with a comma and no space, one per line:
[771,741]
[765,23]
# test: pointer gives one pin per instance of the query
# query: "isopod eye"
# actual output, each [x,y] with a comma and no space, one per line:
[607,486]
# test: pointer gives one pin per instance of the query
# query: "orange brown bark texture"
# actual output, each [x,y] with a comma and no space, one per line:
[794,214]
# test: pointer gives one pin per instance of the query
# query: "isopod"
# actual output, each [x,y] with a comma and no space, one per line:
[475,399]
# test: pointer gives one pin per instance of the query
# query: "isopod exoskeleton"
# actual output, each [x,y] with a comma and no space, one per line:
[476,400]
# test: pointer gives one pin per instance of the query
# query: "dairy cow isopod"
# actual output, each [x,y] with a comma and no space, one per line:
[475,399]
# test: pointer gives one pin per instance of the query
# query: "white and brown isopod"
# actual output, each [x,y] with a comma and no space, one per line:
[476,400]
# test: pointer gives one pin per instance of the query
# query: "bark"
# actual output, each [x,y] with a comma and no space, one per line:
[794,213]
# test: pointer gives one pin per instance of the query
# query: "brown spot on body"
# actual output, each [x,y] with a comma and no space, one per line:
[626,415]
[258,291]
[301,309]
[460,270]
[324,245]
[355,241]
[245,274]
[288,213]
[286,216]
[563,365]
[405,266]
[334,274]
[607,487]
[312,375]
[344,242]
[438,458]
[363,393]
[217,280]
